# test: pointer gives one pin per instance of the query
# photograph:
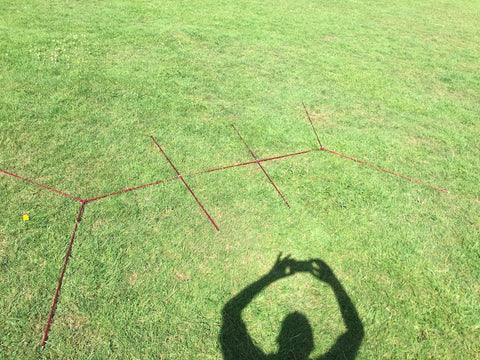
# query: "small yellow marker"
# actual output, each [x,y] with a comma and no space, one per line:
[26,217]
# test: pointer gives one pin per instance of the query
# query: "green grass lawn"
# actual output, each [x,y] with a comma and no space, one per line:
[83,85]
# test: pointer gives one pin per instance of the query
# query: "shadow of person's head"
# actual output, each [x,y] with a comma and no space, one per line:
[295,340]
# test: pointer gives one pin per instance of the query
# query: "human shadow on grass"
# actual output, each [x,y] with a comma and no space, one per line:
[295,340]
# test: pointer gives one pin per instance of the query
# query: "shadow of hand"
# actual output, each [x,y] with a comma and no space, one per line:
[283,267]
[317,268]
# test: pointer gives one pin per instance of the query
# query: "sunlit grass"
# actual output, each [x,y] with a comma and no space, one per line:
[83,85]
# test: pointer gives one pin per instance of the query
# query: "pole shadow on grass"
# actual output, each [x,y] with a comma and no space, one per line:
[295,340]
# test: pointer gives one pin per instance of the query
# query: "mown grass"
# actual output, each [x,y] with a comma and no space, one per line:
[84,84]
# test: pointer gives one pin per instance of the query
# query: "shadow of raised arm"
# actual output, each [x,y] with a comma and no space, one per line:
[347,345]
[234,338]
